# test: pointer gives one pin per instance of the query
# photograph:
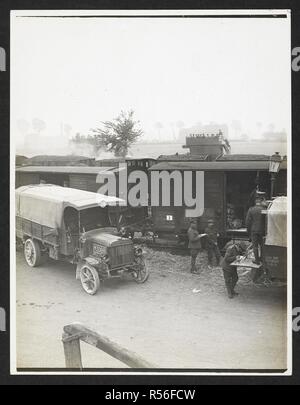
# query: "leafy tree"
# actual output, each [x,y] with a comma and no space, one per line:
[117,135]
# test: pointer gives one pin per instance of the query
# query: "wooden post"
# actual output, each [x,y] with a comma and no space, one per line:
[75,332]
[72,351]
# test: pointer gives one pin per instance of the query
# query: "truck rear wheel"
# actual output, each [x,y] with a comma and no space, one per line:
[32,252]
[90,280]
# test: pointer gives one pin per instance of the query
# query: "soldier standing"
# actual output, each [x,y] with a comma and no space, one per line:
[212,243]
[233,251]
[254,193]
[194,244]
[255,223]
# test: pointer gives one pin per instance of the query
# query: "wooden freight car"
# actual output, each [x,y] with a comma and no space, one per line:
[228,185]
[85,178]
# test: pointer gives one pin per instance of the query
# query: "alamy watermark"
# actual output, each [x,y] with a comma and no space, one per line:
[165,188]
[2,320]
[296,319]
[296,60]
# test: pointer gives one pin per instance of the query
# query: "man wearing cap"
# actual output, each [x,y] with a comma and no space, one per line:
[255,223]
[253,194]
[194,244]
[212,243]
[233,251]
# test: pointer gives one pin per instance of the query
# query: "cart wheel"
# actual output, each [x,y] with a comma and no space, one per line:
[32,253]
[89,279]
[141,275]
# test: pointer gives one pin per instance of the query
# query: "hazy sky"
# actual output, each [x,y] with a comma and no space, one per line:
[83,71]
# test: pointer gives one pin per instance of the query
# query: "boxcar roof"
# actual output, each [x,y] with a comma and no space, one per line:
[243,157]
[45,203]
[64,169]
[219,165]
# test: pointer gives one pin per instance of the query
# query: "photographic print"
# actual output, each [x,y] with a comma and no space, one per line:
[150,191]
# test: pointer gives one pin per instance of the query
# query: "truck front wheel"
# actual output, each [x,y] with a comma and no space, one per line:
[90,280]
[32,253]
[141,273]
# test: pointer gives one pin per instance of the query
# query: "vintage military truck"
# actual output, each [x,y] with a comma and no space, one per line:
[73,225]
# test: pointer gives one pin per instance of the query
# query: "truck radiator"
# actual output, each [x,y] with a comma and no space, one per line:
[121,255]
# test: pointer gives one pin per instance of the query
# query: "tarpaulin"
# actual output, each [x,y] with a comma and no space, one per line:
[45,203]
[277,223]
[42,211]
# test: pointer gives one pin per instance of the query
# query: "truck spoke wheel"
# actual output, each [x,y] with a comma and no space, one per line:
[32,253]
[89,279]
[142,273]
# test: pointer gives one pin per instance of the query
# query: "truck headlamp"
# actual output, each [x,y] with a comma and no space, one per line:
[138,252]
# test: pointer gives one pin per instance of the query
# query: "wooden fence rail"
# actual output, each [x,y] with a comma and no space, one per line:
[76,332]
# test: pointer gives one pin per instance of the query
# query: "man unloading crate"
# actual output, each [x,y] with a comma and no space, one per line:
[234,249]
[255,223]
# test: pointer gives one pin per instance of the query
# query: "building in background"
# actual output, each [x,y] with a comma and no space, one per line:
[202,147]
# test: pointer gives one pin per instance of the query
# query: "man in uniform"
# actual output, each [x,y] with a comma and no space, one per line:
[233,251]
[212,242]
[194,244]
[254,193]
[255,223]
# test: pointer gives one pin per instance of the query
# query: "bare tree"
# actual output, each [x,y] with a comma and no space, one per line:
[237,127]
[23,126]
[172,124]
[38,125]
[159,126]
[179,124]
[67,129]
[271,127]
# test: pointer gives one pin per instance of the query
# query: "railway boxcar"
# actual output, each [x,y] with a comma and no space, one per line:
[228,184]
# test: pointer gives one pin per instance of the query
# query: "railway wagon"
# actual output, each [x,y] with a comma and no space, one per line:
[86,178]
[228,186]
[229,182]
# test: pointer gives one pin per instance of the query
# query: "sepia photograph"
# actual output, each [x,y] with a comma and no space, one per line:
[151,191]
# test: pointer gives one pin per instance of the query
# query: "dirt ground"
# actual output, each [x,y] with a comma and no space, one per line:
[175,320]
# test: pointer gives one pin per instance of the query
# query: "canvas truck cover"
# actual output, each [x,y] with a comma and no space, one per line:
[45,204]
[277,223]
